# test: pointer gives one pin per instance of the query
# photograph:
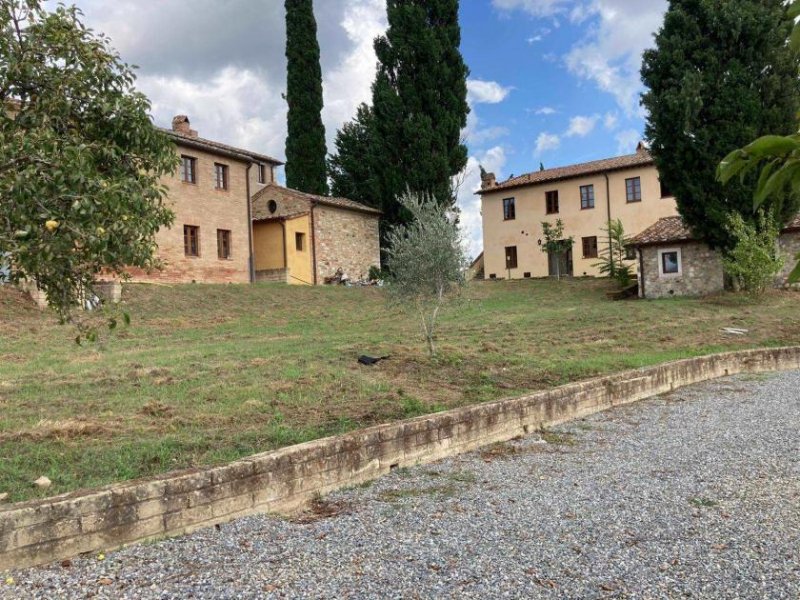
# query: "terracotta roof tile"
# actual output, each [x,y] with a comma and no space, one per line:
[327,200]
[669,230]
[665,230]
[219,146]
[641,158]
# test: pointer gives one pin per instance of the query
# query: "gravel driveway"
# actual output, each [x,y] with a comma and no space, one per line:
[696,493]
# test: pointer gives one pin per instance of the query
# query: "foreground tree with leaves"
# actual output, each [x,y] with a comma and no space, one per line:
[778,158]
[80,159]
[613,262]
[426,261]
[721,75]
[555,244]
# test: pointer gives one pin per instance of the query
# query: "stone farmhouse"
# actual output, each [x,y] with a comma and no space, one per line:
[674,262]
[584,196]
[217,194]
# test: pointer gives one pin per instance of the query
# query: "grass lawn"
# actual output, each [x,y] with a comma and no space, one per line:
[206,374]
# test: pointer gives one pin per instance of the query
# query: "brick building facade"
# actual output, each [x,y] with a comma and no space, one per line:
[303,238]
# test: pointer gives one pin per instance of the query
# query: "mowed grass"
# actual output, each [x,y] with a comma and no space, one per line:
[206,374]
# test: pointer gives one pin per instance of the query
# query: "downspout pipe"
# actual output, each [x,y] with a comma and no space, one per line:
[251,265]
[608,211]
[313,242]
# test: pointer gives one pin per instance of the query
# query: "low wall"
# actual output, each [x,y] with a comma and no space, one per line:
[282,481]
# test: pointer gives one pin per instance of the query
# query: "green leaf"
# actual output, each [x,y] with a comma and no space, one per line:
[771,145]
[794,276]
[793,11]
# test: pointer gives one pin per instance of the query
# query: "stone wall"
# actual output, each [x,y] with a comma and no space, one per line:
[347,240]
[790,246]
[46,530]
[702,272]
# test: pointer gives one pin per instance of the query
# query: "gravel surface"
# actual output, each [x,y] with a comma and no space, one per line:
[696,493]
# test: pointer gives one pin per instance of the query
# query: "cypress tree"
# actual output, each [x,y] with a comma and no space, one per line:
[720,76]
[419,107]
[305,143]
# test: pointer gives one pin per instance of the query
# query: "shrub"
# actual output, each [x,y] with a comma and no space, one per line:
[753,262]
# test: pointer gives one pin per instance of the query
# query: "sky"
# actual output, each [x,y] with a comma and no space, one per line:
[551,81]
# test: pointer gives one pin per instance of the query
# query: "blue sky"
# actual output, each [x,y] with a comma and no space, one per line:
[552,81]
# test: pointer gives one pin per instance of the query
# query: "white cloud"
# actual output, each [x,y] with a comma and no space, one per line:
[469,181]
[611,54]
[227,70]
[610,121]
[627,141]
[581,126]
[545,110]
[486,92]
[546,141]
[534,38]
[536,8]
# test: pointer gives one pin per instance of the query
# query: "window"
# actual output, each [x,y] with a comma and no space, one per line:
[511,257]
[551,200]
[590,247]
[262,173]
[223,243]
[630,253]
[221,176]
[587,196]
[188,169]
[191,240]
[509,209]
[669,262]
[272,206]
[633,189]
[665,193]
[300,241]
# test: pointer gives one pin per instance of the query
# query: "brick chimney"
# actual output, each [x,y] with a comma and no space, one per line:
[180,124]
[641,148]
[488,180]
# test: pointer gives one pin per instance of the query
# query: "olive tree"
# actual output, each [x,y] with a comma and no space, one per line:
[80,159]
[426,260]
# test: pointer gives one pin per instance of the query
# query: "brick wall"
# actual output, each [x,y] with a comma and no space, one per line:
[46,530]
[702,272]
[209,209]
[347,240]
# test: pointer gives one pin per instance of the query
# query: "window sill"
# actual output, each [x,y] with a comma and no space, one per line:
[587,207]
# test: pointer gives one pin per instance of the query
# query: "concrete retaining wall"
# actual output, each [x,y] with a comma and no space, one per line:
[42,531]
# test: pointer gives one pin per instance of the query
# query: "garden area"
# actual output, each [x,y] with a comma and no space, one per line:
[207,374]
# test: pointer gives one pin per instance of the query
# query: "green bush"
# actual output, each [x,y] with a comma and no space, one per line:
[753,262]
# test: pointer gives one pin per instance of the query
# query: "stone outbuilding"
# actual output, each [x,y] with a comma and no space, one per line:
[301,238]
[674,262]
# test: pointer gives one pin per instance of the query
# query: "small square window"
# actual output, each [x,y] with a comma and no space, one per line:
[511,257]
[223,244]
[590,247]
[630,253]
[633,189]
[587,196]
[527,275]
[669,262]
[665,192]
[300,241]
[191,240]
[551,202]
[188,169]
[221,176]
[509,209]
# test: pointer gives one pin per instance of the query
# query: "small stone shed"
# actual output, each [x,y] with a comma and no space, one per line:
[674,262]
[301,238]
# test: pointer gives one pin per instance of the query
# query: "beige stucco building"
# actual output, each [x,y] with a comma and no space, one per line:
[584,196]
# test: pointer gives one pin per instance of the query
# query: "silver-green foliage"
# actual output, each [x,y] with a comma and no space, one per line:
[426,261]
[754,261]
[612,257]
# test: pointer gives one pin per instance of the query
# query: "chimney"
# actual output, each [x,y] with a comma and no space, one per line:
[180,124]
[488,180]
[641,148]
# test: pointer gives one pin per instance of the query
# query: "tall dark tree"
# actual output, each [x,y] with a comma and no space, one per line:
[350,170]
[419,107]
[721,75]
[305,143]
